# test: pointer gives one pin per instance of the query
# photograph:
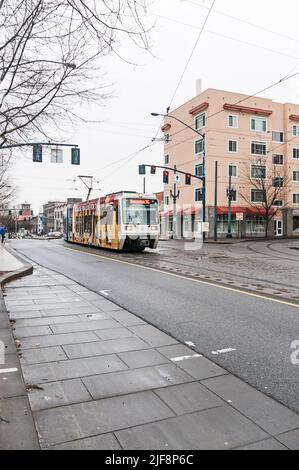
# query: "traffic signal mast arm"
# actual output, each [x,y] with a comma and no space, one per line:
[175,171]
[37,143]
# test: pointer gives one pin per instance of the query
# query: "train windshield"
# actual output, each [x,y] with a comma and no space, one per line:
[140,211]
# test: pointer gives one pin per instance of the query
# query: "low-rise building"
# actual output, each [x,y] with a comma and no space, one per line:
[254,139]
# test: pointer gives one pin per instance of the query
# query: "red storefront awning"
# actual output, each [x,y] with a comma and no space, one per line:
[249,211]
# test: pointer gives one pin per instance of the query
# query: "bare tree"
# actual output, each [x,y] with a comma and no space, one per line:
[6,190]
[268,183]
[49,58]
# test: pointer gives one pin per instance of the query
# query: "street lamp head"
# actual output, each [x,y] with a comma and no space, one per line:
[156,114]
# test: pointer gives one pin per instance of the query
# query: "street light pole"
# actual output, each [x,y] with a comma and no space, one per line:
[229,227]
[203,161]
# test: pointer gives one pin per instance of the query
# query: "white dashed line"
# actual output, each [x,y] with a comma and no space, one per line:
[105,292]
[7,371]
[223,351]
[184,358]
[189,343]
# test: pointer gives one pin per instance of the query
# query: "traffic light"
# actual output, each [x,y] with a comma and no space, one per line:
[167,138]
[142,169]
[75,156]
[37,153]
[153,170]
[165,177]
[188,179]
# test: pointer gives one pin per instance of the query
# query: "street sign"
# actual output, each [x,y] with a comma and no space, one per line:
[205,227]
[239,216]
[177,179]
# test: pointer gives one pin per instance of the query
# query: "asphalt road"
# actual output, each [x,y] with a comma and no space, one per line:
[258,332]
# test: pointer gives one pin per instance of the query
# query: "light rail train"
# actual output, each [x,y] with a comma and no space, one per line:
[126,221]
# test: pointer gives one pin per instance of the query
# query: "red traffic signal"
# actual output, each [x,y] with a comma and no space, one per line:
[188,179]
[165,177]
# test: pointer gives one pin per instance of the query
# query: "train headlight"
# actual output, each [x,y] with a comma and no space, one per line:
[129,228]
[154,227]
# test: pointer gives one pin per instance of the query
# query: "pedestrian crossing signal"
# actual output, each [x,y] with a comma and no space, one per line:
[153,170]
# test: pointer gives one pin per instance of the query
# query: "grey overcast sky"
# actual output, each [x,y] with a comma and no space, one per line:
[246,46]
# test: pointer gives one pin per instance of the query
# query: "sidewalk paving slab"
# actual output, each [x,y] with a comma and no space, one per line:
[108,380]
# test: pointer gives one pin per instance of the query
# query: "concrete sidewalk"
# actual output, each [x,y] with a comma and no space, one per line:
[102,378]
[7,261]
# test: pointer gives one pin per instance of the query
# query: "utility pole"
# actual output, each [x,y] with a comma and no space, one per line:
[230,198]
[175,195]
[203,178]
[216,202]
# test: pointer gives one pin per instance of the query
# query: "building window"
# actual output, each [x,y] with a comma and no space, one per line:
[258,172]
[166,200]
[255,224]
[277,159]
[296,131]
[258,148]
[198,195]
[200,121]
[166,159]
[233,122]
[259,124]
[258,195]
[277,182]
[277,136]
[232,171]
[295,175]
[56,156]
[199,170]
[232,146]
[199,147]
[295,198]
[278,203]
[296,154]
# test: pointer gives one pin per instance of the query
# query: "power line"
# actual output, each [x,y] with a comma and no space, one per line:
[227,37]
[192,51]
[189,60]
[262,28]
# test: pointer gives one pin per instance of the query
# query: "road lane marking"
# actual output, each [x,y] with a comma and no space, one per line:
[198,281]
[7,371]
[223,351]
[105,292]
[189,343]
[184,358]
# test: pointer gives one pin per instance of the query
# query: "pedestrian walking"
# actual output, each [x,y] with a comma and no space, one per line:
[2,234]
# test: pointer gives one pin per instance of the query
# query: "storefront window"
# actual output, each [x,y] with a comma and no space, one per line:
[222,224]
[255,224]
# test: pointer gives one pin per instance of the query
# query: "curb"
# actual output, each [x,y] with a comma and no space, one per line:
[25,271]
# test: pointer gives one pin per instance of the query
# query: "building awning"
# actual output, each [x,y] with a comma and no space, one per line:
[249,211]
[199,109]
[189,211]
[166,127]
[294,117]
[247,110]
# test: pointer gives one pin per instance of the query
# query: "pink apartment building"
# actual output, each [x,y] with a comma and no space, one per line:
[248,137]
